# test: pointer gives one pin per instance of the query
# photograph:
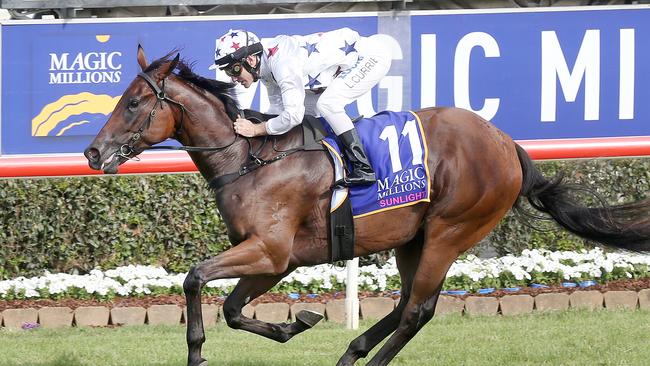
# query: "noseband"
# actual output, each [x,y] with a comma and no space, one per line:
[127,149]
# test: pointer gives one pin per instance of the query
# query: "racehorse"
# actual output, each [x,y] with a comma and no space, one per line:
[277,216]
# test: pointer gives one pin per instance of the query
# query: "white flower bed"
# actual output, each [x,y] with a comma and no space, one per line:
[471,273]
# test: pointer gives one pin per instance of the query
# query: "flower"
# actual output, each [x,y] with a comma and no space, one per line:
[470,273]
[29,325]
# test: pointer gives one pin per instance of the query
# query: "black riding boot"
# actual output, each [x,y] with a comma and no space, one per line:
[362,173]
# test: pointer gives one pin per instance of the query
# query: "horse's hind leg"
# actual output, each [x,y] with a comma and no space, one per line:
[247,289]
[418,310]
[407,258]
[442,245]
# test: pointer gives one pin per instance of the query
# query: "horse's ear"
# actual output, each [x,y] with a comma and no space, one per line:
[167,68]
[142,60]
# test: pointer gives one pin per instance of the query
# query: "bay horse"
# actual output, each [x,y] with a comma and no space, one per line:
[277,216]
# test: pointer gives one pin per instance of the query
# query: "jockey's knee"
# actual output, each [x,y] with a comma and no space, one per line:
[334,114]
[328,106]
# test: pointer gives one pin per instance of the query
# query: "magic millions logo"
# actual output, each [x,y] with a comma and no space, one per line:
[86,67]
[81,113]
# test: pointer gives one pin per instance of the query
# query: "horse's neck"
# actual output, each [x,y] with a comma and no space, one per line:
[207,125]
[230,160]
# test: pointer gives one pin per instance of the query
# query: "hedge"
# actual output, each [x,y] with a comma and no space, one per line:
[76,224]
[73,225]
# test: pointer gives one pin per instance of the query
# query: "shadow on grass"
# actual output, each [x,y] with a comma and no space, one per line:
[65,360]
[254,363]
[70,360]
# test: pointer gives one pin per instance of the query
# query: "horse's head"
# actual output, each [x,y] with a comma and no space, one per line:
[143,117]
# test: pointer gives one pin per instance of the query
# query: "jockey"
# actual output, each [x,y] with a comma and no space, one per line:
[317,74]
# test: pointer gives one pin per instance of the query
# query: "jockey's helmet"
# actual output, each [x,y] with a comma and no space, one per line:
[233,48]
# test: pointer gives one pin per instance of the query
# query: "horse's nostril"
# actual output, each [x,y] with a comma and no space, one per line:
[91,154]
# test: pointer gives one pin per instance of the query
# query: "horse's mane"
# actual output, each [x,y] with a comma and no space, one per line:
[220,89]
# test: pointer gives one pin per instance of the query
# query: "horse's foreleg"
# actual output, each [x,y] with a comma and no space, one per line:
[195,334]
[248,289]
[407,258]
[249,258]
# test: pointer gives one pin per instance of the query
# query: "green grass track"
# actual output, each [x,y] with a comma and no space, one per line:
[564,338]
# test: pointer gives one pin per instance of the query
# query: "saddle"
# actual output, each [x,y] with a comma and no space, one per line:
[341,221]
[312,129]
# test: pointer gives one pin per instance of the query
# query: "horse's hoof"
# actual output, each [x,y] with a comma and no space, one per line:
[203,362]
[347,360]
[308,317]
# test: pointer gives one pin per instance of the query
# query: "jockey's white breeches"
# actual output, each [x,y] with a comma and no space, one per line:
[350,84]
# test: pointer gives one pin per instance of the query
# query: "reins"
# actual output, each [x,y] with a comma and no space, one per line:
[253,164]
[255,161]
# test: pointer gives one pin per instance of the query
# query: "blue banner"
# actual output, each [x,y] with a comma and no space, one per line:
[61,81]
[537,75]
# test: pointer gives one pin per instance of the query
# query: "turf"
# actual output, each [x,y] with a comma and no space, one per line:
[564,338]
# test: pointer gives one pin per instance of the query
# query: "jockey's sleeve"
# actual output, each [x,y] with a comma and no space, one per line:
[289,79]
[293,106]
[275,98]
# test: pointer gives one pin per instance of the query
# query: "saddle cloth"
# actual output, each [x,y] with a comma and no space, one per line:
[397,150]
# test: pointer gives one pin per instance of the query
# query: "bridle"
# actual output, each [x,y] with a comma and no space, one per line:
[218,182]
[127,149]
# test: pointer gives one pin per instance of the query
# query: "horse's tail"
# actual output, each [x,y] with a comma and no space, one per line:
[624,226]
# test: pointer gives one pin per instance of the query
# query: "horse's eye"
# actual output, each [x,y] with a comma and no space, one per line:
[133,103]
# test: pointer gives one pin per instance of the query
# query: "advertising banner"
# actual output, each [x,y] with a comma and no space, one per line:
[572,74]
[61,81]
[539,75]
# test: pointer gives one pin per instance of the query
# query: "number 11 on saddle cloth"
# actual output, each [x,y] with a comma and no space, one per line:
[396,148]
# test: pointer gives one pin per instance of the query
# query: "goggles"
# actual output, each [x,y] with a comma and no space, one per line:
[233,70]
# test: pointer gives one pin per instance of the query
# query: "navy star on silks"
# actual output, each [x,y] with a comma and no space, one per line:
[310,47]
[313,81]
[234,34]
[348,48]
